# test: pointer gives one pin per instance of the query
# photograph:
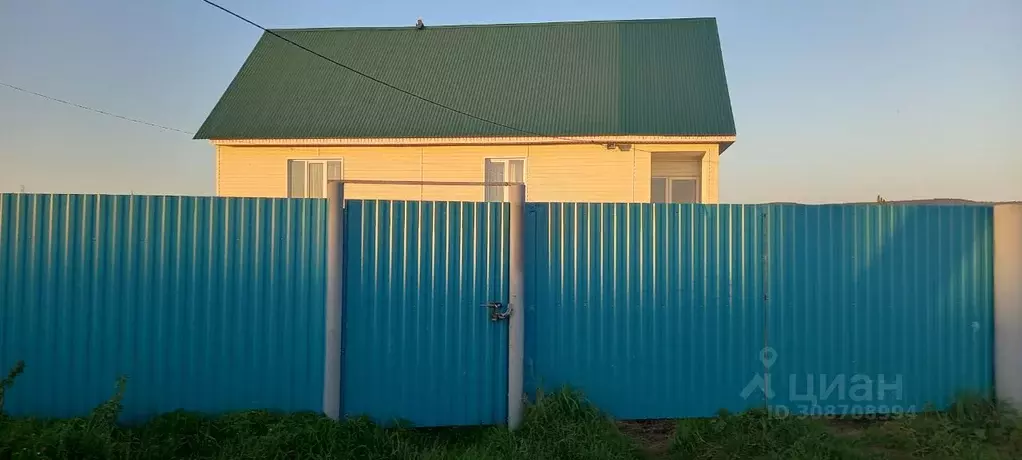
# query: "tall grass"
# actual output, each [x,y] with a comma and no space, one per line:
[558,426]
[561,425]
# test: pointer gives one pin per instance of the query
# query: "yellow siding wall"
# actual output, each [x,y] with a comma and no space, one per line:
[462,164]
[584,173]
[587,173]
[711,176]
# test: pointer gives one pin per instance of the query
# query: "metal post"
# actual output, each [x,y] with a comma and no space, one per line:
[1008,303]
[334,299]
[516,323]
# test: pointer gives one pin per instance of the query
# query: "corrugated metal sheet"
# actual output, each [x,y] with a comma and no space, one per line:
[646,77]
[418,344]
[206,304]
[653,311]
[216,304]
[664,310]
[881,292]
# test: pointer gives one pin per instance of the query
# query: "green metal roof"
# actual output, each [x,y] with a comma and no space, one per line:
[642,77]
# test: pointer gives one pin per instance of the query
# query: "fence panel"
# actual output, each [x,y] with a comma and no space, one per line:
[656,310]
[205,304]
[417,343]
[879,308]
[653,311]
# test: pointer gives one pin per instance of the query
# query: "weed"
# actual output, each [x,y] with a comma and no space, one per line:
[95,436]
[8,382]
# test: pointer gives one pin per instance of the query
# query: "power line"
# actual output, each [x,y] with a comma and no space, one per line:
[384,83]
[102,112]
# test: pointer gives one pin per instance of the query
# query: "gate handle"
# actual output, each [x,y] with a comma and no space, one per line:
[497,311]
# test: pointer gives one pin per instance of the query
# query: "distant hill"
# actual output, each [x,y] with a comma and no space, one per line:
[930,201]
[956,201]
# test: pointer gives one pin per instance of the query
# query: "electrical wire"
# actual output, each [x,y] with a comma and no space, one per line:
[391,86]
[102,112]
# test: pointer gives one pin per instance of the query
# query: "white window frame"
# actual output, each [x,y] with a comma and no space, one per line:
[505,160]
[323,160]
[670,179]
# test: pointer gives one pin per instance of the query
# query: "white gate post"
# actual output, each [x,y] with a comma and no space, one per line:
[1008,303]
[334,299]
[516,303]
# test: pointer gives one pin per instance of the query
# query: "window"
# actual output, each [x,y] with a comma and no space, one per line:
[674,190]
[503,170]
[308,178]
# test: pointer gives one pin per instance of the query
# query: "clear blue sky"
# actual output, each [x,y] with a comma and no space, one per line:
[834,100]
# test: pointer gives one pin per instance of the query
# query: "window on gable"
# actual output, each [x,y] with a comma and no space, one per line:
[674,190]
[308,178]
[503,170]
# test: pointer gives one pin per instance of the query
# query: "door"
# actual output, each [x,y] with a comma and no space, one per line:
[418,343]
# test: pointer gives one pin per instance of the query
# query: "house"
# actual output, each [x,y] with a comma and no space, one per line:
[608,111]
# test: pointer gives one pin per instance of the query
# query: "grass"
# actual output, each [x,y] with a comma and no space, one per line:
[755,434]
[558,426]
[972,428]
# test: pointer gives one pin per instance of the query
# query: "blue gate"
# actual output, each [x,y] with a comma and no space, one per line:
[418,345]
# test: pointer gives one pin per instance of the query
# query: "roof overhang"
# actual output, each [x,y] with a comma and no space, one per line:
[420,141]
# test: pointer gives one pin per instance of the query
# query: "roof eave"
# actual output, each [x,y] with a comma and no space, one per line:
[522,140]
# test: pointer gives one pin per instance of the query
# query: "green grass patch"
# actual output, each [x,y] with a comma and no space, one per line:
[561,425]
[972,428]
[756,434]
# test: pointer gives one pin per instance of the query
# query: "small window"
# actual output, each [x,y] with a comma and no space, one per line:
[503,170]
[674,190]
[308,178]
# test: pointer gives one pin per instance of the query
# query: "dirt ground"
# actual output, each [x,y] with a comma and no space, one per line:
[653,436]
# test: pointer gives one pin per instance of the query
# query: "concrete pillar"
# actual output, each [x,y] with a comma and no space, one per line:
[516,322]
[1008,303]
[334,306]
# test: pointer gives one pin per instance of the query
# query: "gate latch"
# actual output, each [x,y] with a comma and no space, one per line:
[498,311]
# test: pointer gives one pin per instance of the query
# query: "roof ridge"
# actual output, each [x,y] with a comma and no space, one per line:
[494,25]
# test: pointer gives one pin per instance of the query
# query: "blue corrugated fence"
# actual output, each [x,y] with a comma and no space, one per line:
[887,307]
[680,310]
[652,310]
[418,344]
[205,304]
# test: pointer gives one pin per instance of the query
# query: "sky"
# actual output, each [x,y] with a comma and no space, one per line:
[834,101]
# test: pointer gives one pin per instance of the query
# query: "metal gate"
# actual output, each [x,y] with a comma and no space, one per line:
[419,342]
